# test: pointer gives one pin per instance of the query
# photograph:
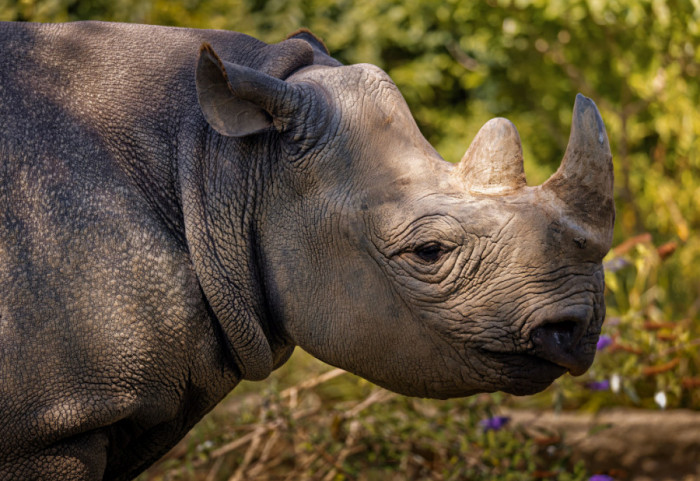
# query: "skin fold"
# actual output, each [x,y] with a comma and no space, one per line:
[180,208]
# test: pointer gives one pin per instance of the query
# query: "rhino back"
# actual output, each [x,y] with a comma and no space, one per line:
[103,326]
[118,99]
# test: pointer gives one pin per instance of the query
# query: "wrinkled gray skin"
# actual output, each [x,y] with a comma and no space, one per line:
[174,220]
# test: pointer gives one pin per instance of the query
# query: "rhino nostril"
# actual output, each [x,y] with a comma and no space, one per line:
[560,334]
[558,340]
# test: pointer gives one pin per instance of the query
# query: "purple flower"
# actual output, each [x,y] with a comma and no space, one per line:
[495,423]
[601,477]
[615,264]
[603,342]
[603,385]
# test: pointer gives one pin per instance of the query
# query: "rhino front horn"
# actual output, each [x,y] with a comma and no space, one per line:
[493,164]
[584,180]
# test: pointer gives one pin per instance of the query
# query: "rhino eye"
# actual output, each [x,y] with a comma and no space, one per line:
[430,252]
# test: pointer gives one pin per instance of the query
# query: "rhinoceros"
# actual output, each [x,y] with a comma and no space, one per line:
[180,208]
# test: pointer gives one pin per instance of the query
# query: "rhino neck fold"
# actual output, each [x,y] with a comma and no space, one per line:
[219,205]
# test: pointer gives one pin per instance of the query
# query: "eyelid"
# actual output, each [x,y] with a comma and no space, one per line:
[442,229]
[430,253]
[409,248]
[445,247]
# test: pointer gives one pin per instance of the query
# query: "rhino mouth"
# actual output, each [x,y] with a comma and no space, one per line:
[554,347]
[525,373]
[574,359]
[530,365]
[534,370]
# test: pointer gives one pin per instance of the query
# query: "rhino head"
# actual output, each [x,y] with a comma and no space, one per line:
[425,277]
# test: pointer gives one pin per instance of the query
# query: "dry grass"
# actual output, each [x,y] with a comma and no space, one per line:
[335,426]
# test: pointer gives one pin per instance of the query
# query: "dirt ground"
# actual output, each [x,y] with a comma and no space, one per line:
[632,445]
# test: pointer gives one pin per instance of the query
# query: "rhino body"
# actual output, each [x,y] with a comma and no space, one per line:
[180,208]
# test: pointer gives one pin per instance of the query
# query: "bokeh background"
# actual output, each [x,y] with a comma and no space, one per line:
[458,64]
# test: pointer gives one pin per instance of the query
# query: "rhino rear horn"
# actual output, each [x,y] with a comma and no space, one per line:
[493,164]
[584,180]
[237,100]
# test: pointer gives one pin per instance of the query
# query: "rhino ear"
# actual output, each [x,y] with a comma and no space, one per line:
[239,101]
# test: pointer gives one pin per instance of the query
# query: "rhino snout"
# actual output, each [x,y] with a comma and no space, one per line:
[559,340]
